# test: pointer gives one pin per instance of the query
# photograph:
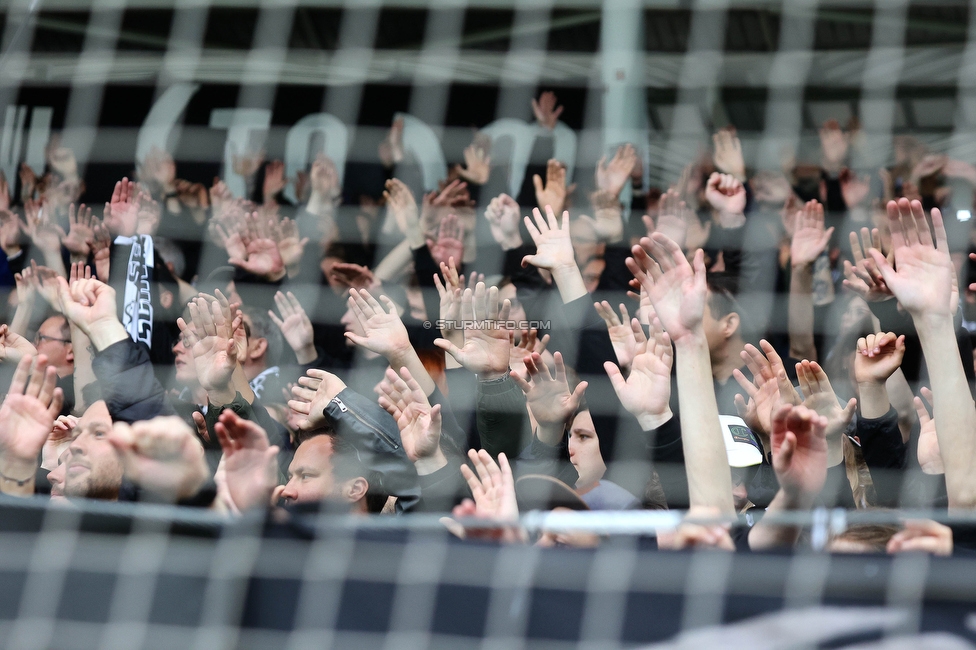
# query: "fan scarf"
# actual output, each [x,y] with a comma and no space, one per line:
[137,309]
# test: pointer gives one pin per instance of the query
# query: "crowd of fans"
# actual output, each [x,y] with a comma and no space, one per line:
[734,344]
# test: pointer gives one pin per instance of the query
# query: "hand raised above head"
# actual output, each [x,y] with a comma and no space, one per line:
[676,288]
[922,275]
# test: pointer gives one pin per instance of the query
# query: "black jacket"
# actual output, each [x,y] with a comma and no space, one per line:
[128,384]
[375,436]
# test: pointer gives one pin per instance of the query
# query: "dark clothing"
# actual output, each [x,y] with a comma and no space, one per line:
[503,421]
[375,436]
[885,454]
[128,384]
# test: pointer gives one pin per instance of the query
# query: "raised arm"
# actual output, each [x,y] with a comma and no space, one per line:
[554,252]
[295,326]
[809,241]
[799,457]
[418,421]
[26,420]
[386,335]
[677,290]
[921,280]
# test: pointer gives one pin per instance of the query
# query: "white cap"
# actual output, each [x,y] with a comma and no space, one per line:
[740,443]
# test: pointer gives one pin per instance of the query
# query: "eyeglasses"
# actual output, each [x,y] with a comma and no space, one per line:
[41,337]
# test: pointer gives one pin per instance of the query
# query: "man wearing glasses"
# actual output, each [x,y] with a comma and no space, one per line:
[54,340]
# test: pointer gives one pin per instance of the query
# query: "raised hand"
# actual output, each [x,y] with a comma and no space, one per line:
[819,396]
[727,195]
[26,420]
[290,245]
[486,349]
[13,346]
[295,326]
[770,387]
[449,243]
[246,164]
[149,215]
[161,455]
[863,277]
[673,220]
[214,349]
[810,239]
[402,204]
[449,292]
[528,343]
[493,488]
[626,338]
[764,396]
[261,255]
[548,398]
[728,153]
[353,276]
[503,217]
[546,110]
[45,283]
[607,221]
[418,421]
[10,232]
[929,454]
[42,232]
[878,357]
[220,198]
[101,251]
[385,333]
[554,192]
[646,392]
[799,452]
[80,232]
[553,243]
[313,394]
[477,163]
[676,288]
[922,275]
[90,304]
[833,146]
[250,467]
[122,212]
[612,176]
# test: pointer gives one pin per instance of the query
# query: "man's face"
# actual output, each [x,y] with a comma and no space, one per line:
[52,342]
[310,472]
[93,469]
[584,451]
[186,372]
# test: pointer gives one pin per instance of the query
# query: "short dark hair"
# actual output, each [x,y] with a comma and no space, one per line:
[262,327]
[64,329]
[722,288]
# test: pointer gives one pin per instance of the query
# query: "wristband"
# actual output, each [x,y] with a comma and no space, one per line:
[496,380]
